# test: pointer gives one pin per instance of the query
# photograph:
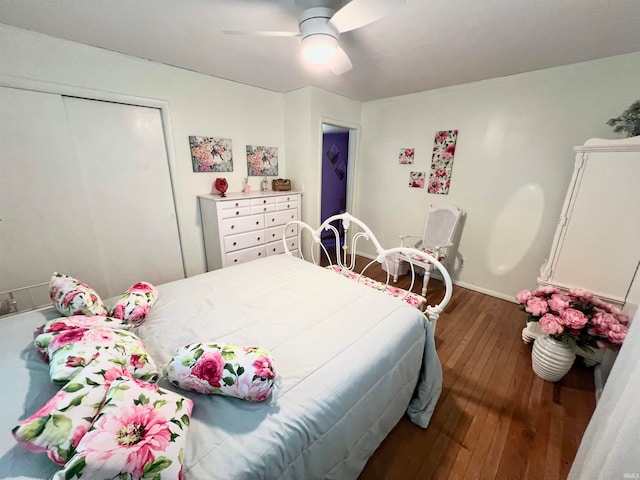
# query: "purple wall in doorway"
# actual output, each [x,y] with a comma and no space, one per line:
[335,151]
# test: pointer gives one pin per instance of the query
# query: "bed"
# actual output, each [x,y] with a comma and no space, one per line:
[351,361]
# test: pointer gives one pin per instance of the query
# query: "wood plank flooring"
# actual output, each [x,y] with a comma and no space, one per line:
[495,418]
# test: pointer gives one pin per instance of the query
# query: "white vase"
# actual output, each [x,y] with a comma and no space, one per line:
[551,359]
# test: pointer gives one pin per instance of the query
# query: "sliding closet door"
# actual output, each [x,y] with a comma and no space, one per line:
[123,161]
[43,201]
[85,190]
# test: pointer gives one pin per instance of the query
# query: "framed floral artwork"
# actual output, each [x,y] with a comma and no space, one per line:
[406,156]
[211,154]
[262,161]
[416,179]
[444,148]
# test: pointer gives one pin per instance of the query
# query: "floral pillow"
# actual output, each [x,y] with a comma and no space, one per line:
[71,350]
[140,432]
[72,297]
[57,427]
[134,304]
[213,368]
[82,321]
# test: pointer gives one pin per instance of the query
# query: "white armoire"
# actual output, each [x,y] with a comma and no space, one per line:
[597,242]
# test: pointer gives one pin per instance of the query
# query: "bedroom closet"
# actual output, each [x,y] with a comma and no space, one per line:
[85,189]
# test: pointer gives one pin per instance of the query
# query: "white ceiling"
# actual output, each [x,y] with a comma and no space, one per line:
[423,45]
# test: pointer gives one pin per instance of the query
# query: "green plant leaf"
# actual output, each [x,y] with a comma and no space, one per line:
[74,468]
[156,466]
[72,387]
[33,429]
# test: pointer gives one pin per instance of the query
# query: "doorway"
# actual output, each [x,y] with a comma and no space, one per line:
[335,168]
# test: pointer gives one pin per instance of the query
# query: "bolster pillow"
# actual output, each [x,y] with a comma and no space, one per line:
[214,368]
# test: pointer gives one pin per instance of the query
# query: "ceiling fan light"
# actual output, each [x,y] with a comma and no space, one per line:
[319,48]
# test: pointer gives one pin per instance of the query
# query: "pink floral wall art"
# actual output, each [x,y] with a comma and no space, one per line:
[211,154]
[262,161]
[416,179]
[406,156]
[444,147]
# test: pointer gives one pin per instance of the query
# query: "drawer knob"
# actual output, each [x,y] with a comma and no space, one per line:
[237,204]
[264,209]
[257,222]
[259,253]
[235,260]
[288,206]
[264,201]
[258,238]
[273,235]
[237,212]
[232,227]
[235,243]
[274,249]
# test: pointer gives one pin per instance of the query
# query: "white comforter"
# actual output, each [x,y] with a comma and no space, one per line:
[348,359]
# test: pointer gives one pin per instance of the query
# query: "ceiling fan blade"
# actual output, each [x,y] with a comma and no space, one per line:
[341,63]
[262,33]
[358,13]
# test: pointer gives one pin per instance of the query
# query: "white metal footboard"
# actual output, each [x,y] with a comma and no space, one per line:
[347,231]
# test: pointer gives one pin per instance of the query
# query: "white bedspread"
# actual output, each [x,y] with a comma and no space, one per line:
[348,359]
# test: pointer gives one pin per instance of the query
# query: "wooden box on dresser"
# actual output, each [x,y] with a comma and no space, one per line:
[246,226]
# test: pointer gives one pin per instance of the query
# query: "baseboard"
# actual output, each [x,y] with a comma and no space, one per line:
[435,274]
[486,291]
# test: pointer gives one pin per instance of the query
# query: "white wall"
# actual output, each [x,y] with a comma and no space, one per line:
[305,111]
[512,165]
[199,105]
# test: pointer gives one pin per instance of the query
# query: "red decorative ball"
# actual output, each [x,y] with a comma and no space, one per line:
[221,185]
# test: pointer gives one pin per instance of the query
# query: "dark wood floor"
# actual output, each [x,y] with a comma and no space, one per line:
[495,418]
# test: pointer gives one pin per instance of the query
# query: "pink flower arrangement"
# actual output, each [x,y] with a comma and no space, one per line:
[577,317]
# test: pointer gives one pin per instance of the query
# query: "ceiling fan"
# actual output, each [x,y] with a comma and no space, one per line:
[320,27]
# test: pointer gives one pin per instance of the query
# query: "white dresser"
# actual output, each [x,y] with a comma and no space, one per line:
[246,226]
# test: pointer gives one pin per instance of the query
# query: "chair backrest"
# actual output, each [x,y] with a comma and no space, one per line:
[441,224]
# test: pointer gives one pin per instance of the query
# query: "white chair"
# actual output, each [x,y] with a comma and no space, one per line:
[437,239]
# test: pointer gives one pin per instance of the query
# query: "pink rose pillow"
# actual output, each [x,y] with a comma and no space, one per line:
[72,297]
[82,321]
[57,427]
[139,432]
[71,350]
[134,304]
[246,373]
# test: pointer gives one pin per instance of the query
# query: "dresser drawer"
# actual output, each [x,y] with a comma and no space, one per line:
[276,248]
[271,207]
[287,205]
[235,203]
[231,226]
[275,233]
[235,212]
[287,198]
[244,240]
[255,202]
[247,255]
[280,217]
